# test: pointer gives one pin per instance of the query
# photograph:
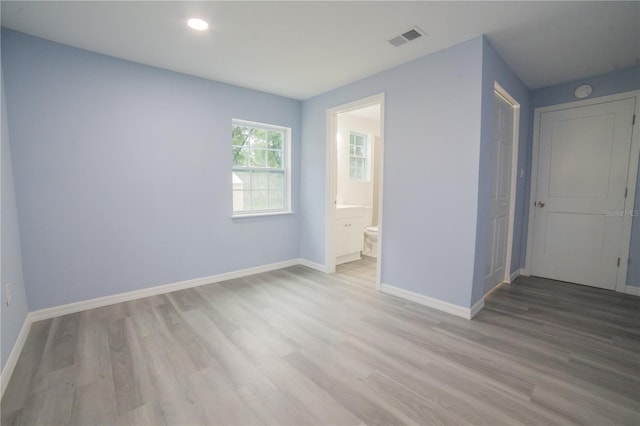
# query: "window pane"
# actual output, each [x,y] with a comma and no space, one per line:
[357,156]
[246,199]
[238,200]
[276,181]
[259,139]
[240,156]
[259,180]
[258,168]
[275,140]
[276,200]
[243,179]
[356,173]
[274,159]
[240,135]
[259,158]
[259,200]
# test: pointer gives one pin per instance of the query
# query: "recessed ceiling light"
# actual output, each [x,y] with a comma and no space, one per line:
[198,24]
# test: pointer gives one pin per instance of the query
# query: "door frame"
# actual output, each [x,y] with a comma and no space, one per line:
[331,172]
[632,173]
[515,143]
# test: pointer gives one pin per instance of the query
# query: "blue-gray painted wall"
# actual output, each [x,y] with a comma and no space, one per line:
[431,157]
[619,81]
[12,316]
[494,69]
[122,173]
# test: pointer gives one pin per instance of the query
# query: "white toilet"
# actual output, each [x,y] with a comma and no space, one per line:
[370,241]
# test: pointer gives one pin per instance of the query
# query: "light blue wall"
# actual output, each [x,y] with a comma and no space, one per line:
[619,81]
[12,317]
[494,70]
[606,84]
[122,173]
[431,154]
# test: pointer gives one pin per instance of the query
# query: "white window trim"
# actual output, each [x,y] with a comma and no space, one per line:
[262,214]
[287,171]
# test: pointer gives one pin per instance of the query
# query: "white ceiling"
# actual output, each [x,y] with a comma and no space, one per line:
[370,113]
[301,49]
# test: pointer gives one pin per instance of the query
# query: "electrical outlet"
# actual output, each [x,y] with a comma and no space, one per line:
[8,291]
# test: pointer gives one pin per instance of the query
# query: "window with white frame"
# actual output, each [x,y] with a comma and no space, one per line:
[260,168]
[358,168]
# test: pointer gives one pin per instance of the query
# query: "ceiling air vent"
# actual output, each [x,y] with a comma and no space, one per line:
[410,35]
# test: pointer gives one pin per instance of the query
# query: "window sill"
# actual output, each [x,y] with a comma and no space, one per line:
[262,214]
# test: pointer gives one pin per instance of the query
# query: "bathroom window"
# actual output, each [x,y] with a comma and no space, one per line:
[358,169]
[260,174]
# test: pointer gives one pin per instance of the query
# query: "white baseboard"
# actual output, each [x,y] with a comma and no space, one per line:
[10,365]
[632,290]
[477,307]
[523,272]
[430,302]
[98,302]
[629,289]
[70,308]
[312,265]
[351,257]
[514,275]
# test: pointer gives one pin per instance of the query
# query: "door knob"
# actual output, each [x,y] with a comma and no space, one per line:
[540,203]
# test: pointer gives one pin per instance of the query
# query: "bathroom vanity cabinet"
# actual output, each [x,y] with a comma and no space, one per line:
[349,233]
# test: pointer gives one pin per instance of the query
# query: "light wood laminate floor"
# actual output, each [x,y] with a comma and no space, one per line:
[296,346]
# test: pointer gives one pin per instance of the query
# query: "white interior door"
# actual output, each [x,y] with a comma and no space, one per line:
[583,162]
[495,262]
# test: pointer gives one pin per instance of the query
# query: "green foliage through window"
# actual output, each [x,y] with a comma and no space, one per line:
[259,170]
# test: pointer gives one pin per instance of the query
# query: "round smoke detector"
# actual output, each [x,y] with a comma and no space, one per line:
[583,91]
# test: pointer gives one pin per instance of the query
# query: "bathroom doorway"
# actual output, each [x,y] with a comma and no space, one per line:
[354,185]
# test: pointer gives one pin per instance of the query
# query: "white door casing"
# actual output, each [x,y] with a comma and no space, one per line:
[583,155]
[496,266]
[331,180]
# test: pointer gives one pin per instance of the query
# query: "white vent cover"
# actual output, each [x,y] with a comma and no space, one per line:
[410,35]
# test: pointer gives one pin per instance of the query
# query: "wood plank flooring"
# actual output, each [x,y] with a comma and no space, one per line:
[296,346]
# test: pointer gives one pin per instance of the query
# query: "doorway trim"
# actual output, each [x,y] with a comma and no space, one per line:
[515,139]
[331,172]
[632,172]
